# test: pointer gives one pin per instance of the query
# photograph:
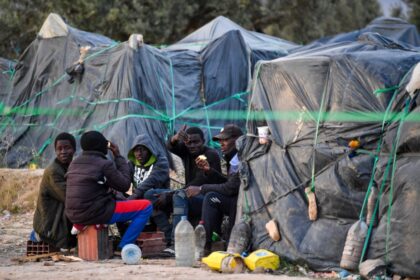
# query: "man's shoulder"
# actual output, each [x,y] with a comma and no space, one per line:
[210,152]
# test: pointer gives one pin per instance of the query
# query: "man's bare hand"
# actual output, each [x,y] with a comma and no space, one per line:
[114,149]
[181,135]
[202,163]
[192,191]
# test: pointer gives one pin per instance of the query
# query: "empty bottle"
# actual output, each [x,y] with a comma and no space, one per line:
[131,254]
[184,243]
[373,196]
[239,238]
[354,245]
[200,240]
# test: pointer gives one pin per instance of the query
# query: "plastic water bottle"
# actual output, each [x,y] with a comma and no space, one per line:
[354,246]
[239,238]
[200,240]
[131,254]
[184,243]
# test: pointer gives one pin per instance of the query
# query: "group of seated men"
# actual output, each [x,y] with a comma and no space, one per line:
[91,189]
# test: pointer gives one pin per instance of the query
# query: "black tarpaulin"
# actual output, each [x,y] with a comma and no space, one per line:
[314,103]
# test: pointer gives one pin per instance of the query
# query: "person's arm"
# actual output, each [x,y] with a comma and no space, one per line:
[118,175]
[176,144]
[229,188]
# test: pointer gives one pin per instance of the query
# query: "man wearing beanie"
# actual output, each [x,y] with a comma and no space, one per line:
[91,179]
[50,222]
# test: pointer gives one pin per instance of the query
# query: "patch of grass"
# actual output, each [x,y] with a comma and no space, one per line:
[19,189]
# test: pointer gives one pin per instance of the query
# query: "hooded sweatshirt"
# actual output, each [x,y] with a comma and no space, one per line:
[154,174]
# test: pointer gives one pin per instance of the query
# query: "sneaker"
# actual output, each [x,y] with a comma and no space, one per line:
[77,228]
[170,251]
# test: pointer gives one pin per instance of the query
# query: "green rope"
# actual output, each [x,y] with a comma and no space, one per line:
[385,176]
[383,90]
[391,185]
[321,109]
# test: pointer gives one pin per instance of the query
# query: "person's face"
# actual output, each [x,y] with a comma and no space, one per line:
[64,151]
[142,154]
[227,145]
[194,144]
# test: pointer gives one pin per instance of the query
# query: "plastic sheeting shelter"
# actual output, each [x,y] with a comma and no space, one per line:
[314,103]
[393,28]
[123,89]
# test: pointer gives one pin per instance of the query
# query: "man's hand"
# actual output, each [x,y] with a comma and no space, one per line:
[163,199]
[192,191]
[202,163]
[114,149]
[181,135]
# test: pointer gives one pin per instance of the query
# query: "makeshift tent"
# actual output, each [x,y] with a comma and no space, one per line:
[394,28]
[223,55]
[314,103]
[123,89]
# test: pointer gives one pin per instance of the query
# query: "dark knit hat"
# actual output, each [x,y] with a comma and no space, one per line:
[94,141]
[65,136]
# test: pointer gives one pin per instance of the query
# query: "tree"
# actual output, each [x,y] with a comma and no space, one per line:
[167,21]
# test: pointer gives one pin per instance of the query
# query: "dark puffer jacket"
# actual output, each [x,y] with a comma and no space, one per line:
[90,180]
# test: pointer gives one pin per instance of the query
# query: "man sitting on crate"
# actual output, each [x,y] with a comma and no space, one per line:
[220,199]
[50,222]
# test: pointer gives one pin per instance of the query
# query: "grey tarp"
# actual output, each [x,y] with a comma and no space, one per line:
[323,98]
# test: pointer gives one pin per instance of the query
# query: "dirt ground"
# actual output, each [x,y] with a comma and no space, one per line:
[14,232]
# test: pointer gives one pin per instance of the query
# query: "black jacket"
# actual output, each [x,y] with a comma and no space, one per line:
[229,185]
[157,169]
[194,176]
[90,179]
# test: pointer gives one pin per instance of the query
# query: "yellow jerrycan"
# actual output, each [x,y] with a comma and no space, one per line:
[262,258]
[224,262]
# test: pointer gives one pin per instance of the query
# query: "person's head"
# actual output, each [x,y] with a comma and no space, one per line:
[195,143]
[142,154]
[227,137]
[65,147]
[94,141]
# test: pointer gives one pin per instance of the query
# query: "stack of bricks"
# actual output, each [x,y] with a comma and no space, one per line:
[151,243]
[93,244]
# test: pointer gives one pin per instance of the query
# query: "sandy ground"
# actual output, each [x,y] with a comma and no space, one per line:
[14,233]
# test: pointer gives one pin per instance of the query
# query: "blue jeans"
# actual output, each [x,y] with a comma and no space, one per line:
[160,218]
[184,206]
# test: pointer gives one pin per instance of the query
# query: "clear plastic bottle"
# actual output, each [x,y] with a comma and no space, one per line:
[354,245]
[239,238]
[131,254]
[200,240]
[184,243]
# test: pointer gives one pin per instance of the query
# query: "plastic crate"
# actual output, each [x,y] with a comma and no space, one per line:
[38,248]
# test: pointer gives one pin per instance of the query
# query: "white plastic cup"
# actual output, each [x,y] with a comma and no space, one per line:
[263,132]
